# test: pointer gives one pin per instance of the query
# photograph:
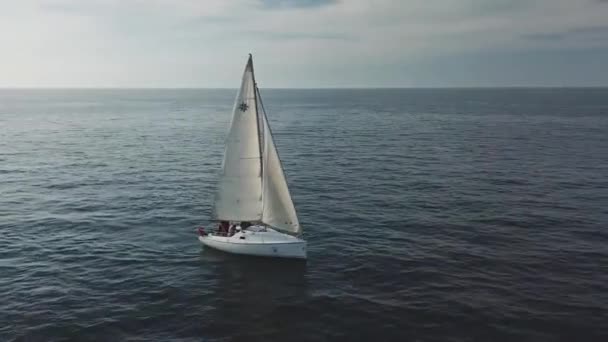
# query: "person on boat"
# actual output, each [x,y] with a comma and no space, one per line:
[232,230]
[223,228]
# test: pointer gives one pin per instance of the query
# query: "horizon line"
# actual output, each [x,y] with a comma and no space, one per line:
[309,88]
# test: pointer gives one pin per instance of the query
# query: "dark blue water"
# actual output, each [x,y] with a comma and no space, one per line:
[431,215]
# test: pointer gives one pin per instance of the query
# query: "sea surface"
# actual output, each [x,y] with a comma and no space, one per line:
[431,215]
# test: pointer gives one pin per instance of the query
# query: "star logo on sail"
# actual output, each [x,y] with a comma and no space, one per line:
[243,107]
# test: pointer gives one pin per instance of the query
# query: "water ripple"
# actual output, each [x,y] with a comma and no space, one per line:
[432,215]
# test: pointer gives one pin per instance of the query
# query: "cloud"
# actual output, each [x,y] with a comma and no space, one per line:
[581,33]
[299,36]
[202,43]
[282,4]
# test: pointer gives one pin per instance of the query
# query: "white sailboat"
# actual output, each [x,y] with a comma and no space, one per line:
[252,202]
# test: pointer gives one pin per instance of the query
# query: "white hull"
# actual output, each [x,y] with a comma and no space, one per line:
[259,242]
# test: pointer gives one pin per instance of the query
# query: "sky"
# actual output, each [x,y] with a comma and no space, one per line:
[303,43]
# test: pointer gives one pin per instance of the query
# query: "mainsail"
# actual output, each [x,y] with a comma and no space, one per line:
[239,192]
[252,185]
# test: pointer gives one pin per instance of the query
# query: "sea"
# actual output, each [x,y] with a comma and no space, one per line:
[430,215]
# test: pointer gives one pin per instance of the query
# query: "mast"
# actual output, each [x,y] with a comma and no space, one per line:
[257,115]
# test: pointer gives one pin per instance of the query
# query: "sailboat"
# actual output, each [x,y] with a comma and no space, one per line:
[252,202]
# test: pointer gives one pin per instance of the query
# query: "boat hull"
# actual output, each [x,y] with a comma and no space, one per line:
[267,243]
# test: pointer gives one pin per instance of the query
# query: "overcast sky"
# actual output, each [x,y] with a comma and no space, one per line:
[303,43]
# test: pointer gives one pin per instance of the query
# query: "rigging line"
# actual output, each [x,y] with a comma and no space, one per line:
[257,122]
[257,114]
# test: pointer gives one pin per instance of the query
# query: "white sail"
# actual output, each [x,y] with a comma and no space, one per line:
[279,211]
[239,192]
